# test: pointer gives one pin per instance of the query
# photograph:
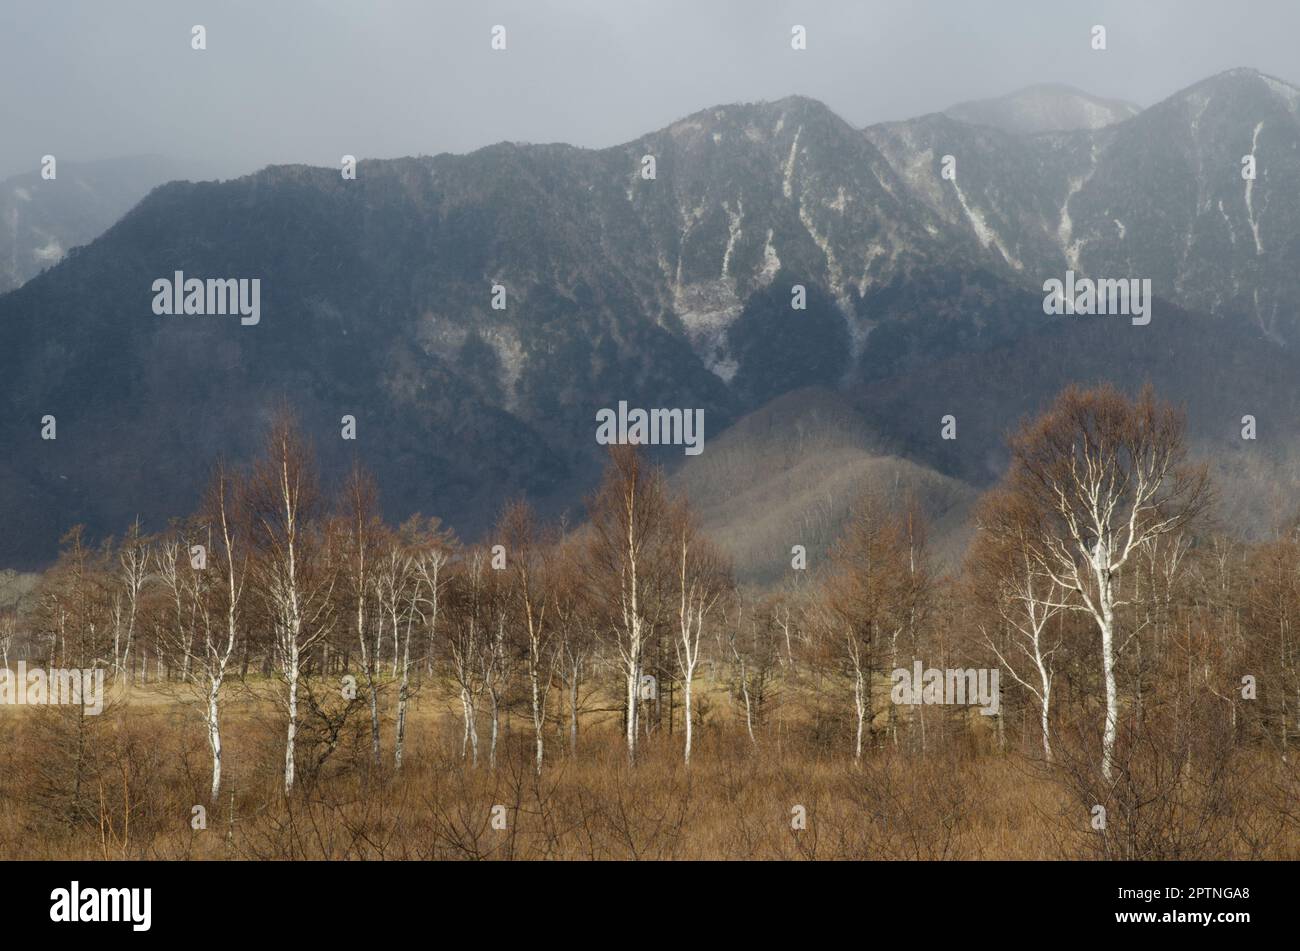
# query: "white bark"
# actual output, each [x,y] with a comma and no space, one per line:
[291,675]
[860,710]
[427,569]
[471,725]
[214,738]
[1106,622]
[217,654]
[697,595]
[749,714]
[299,604]
[492,749]
[403,695]
[1109,499]
[1028,600]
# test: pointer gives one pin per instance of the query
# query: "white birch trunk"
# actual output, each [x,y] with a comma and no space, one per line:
[1106,621]
[291,674]
[538,717]
[214,738]
[633,689]
[403,696]
[492,750]
[859,706]
[471,727]
[686,698]
[1112,696]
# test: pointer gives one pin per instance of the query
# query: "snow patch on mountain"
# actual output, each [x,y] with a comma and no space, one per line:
[1250,187]
[504,341]
[771,262]
[787,173]
[1232,232]
[733,233]
[707,309]
[987,236]
[834,273]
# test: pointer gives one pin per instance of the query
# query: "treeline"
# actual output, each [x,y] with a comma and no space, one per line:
[1144,652]
[273,577]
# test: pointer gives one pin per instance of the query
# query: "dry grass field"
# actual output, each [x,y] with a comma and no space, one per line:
[125,785]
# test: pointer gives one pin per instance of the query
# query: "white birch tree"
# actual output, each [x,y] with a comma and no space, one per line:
[629,554]
[1024,599]
[700,583]
[1104,475]
[295,578]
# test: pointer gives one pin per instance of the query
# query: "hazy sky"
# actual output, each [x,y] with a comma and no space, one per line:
[300,81]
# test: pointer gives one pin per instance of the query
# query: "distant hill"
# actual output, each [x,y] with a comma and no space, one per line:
[788,473]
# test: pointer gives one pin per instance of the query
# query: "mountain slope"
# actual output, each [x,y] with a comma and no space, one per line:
[788,473]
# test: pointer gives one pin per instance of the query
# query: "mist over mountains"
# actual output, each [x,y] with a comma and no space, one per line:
[41,219]
[1047,107]
[924,299]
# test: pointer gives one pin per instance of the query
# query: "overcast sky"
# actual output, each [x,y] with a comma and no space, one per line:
[300,81]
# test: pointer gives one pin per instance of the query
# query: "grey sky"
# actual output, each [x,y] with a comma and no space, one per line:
[298,81]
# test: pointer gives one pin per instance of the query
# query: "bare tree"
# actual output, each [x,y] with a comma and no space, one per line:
[528,576]
[187,600]
[1104,476]
[875,591]
[8,631]
[427,563]
[133,557]
[368,567]
[629,552]
[575,628]
[294,576]
[467,640]
[221,509]
[1022,596]
[701,581]
[496,663]
[1274,608]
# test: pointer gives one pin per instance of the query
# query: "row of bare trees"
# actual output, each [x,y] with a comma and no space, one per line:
[1096,582]
[271,571]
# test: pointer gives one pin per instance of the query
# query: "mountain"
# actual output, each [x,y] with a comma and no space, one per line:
[41,219]
[923,298]
[1160,196]
[376,302]
[1047,107]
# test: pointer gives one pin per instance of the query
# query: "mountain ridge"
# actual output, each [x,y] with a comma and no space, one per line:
[674,290]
